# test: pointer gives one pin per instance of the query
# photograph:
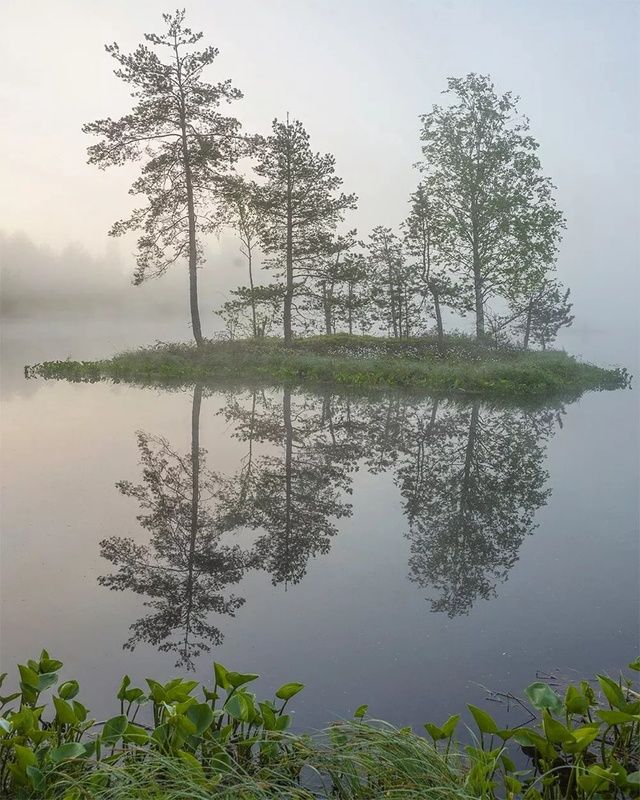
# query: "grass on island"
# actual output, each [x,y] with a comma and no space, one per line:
[465,368]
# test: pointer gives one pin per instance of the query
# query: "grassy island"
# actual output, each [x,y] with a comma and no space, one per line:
[464,367]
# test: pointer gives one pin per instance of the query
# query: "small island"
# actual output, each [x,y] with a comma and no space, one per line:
[456,365]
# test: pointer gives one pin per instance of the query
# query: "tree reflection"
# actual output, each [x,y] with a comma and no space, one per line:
[471,482]
[471,479]
[184,568]
[292,495]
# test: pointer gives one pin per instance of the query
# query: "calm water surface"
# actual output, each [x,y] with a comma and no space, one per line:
[388,549]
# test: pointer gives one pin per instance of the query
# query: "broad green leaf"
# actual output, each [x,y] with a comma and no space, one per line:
[484,720]
[575,701]
[450,725]
[46,679]
[124,684]
[80,711]
[195,767]
[542,696]
[434,731]
[582,738]
[24,756]
[114,728]
[66,752]
[28,676]
[508,764]
[617,717]
[360,712]
[268,717]
[64,712]
[633,665]
[283,722]
[220,672]
[555,731]
[49,664]
[237,679]
[611,691]
[68,690]
[202,716]
[134,734]
[157,691]
[37,778]
[237,706]
[288,690]
[529,738]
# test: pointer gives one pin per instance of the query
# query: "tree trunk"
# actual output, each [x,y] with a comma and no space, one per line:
[527,330]
[350,312]
[253,299]
[288,296]
[440,328]
[193,248]
[392,300]
[326,301]
[477,277]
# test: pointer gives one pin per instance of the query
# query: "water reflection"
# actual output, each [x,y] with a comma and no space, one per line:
[472,480]
[184,569]
[470,477]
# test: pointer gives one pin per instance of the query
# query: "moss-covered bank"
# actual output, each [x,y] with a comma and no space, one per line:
[465,368]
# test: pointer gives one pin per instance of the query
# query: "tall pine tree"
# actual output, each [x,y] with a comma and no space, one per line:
[185,143]
[299,206]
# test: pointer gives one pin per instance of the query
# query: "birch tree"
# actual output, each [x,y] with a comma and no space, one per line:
[501,220]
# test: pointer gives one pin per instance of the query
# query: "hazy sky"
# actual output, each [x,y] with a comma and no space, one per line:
[358,74]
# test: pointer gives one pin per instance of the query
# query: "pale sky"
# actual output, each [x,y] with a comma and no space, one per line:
[358,75]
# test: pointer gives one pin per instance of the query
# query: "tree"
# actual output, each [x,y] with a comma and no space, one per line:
[298,205]
[352,299]
[187,145]
[252,311]
[391,291]
[327,271]
[500,221]
[421,234]
[546,312]
[245,221]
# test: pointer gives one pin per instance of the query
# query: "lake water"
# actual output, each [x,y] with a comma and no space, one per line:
[389,549]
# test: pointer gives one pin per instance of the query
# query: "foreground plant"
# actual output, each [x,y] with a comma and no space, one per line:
[42,742]
[579,748]
[167,742]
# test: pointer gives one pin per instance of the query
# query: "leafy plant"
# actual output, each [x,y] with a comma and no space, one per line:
[182,740]
[41,740]
[581,747]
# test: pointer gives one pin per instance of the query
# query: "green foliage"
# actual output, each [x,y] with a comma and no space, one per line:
[46,742]
[228,744]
